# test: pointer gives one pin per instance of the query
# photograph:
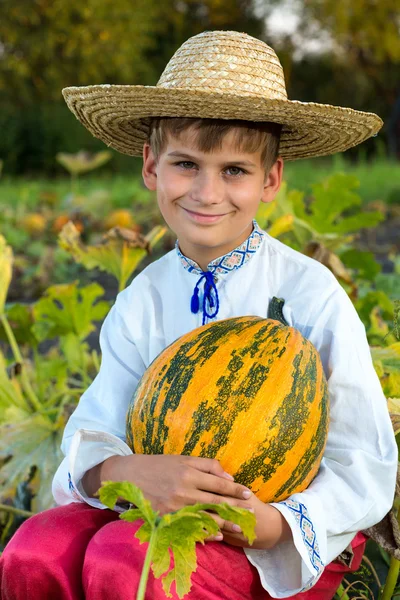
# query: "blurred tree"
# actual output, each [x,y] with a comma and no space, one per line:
[46,45]
[365,36]
[343,52]
[49,44]
[181,19]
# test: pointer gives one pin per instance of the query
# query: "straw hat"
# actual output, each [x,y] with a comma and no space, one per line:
[225,75]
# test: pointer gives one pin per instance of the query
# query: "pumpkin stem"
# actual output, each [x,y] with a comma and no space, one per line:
[275,310]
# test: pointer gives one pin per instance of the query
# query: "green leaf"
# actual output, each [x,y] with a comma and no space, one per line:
[180,532]
[20,318]
[110,491]
[363,219]
[367,303]
[66,309]
[389,283]
[177,532]
[241,516]
[35,441]
[331,197]
[363,262]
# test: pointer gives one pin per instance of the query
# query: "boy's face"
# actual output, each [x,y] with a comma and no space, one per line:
[209,200]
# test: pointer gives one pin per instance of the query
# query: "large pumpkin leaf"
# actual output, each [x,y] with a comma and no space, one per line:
[34,441]
[330,199]
[65,309]
[363,263]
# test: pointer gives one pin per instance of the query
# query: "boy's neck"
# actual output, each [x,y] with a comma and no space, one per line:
[203,255]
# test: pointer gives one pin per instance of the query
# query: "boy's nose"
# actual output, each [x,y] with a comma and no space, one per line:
[206,189]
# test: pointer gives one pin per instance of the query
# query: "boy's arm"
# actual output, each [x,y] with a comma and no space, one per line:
[355,485]
[96,429]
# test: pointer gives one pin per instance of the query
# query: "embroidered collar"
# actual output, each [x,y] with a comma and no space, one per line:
[233,260]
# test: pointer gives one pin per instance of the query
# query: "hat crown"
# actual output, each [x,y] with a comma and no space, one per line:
[227,62]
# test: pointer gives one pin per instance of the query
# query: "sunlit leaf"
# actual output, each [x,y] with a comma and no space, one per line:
[6,260]
[281,226]
[120,252]
[394,411]
[83,161]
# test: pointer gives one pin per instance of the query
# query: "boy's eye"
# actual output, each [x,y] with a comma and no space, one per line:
[187,165]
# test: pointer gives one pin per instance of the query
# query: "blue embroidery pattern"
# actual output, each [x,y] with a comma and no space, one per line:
[72,488]
[233,260]
[300,513]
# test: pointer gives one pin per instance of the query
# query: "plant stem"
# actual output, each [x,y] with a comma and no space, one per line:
[16,511]
[341,593]
[34,400]
[391,579]
[146,566]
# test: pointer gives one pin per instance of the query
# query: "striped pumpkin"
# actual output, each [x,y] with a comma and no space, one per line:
[248,391]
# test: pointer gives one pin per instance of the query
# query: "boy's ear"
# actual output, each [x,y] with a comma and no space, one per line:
[149,171]
[273,181]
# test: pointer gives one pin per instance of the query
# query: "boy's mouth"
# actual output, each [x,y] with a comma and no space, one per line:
[203,218]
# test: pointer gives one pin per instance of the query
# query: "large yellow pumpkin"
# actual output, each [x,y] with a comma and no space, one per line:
[248,391]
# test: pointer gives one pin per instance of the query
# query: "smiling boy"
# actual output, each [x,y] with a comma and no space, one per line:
[213,142]
[209,187]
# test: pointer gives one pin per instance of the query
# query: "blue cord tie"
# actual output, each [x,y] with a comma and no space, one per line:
[209,285]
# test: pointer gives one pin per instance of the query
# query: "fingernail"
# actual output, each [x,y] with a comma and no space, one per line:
[236,528]
[228,476]
[247,494]
[218,537]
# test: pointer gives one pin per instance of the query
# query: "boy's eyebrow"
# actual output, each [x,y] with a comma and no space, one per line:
[246,163]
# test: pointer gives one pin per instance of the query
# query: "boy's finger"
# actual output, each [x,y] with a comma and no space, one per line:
[210,465]
[225,527]
[223,487]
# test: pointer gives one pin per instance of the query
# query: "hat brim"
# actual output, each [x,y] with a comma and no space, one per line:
[119,116]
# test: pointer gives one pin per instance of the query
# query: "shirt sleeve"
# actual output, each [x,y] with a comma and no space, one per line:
[355,485]
[96,429]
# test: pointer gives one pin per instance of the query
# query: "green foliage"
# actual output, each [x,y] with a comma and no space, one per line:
[65,309]
[119,254]
[177,532]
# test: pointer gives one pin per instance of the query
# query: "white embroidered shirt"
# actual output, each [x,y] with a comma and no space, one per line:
[354,487]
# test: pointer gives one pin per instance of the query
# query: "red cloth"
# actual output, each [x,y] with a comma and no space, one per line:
[74,552]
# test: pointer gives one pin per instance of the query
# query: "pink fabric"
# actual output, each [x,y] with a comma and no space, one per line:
[76,551]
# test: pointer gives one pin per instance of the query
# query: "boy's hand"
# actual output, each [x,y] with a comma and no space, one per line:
[173,481]
[271,527]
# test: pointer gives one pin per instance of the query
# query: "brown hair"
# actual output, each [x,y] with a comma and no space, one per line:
[250,136]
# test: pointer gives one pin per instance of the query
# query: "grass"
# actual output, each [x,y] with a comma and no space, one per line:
[379,180]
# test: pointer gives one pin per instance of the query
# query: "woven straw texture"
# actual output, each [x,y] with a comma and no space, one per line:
[225,75]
